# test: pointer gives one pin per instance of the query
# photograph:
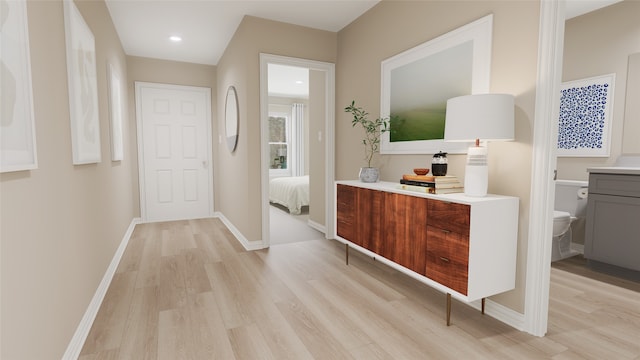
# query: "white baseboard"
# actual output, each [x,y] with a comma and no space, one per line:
[317,226]
[578,247]
[78,339]
[501,313]
[248,245]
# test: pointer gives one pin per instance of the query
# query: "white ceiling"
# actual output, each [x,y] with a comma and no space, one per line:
[288,81]
[580,7]
[206,26]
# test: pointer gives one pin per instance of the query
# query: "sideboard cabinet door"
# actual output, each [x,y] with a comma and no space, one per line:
[405,233]
[346,212]
[370,211]
[359,216]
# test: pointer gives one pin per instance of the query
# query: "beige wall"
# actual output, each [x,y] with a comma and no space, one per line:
[61,224]
[166,72]
[238,189]
[392,27]
[317,156]
[630,143]
[600,43]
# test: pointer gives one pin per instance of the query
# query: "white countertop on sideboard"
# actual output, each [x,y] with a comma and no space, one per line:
[395,187]
[615,170]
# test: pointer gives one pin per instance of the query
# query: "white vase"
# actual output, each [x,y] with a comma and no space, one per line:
[369,174]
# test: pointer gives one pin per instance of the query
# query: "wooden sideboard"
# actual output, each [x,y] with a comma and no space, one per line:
[463,246]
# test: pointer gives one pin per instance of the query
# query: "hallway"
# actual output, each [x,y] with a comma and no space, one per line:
[188,290]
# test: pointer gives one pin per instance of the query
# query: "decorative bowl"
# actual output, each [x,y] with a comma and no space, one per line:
[421,171]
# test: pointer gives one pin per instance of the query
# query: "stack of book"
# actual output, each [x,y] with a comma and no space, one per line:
[431,184]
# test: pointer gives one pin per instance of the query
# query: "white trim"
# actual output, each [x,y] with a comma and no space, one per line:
[78,339]
[329,70]
[501,313]
[264,151]
[141,162]
[317,226]
[248,245]
[545,134]
[577,248]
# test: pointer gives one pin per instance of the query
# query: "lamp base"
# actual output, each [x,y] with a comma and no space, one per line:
[476,176]
[476,180]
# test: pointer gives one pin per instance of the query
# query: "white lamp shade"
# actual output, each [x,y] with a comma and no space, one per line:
[486,117]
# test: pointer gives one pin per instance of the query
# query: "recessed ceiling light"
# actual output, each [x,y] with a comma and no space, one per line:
[175,38]
[299,82]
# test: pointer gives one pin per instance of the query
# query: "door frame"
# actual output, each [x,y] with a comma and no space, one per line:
[329,71]
[139,86]
[542,193]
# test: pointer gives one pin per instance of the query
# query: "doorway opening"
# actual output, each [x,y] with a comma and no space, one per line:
[297,121]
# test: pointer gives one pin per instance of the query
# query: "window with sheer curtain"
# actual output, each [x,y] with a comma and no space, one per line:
[286,142]
[279,144]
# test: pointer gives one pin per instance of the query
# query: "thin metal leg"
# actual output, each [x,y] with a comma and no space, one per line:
[448,309]
[346,248]
[483,299]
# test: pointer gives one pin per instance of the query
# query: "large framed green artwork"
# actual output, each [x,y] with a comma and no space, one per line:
[417,83]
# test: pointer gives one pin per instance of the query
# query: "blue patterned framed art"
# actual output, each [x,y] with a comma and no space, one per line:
[586,107]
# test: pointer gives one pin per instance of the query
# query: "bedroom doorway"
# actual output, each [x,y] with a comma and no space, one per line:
[296,106]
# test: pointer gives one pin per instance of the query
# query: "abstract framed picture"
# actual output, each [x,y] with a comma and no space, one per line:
[115,113]
[584,124]
[17,120]
[83,87]
[417,83]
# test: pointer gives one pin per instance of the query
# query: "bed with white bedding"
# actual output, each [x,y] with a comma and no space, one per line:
[291,192]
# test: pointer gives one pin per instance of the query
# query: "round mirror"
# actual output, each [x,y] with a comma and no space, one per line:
[231,118]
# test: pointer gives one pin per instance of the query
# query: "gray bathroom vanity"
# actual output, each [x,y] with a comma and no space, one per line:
[612,238]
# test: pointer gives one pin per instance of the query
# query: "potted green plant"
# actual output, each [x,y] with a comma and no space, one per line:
[373,129]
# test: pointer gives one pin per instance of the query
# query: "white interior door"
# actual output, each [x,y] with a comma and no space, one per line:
[174,150]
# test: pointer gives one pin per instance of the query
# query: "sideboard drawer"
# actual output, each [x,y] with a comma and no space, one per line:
[449,216]
[448,258]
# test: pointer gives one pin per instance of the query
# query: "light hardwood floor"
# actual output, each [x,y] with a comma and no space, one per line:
[187,290]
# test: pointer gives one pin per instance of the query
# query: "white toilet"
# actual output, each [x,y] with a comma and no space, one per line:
[570,206]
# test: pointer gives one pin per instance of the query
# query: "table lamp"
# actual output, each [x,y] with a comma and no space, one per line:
[481,117]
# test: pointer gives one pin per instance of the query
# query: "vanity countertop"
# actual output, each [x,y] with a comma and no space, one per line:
[621,170]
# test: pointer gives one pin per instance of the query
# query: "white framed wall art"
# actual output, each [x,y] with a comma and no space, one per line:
[586,109]
[17,121]
[417,83]
[83,87]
